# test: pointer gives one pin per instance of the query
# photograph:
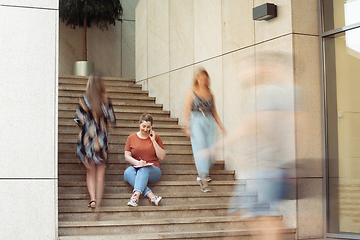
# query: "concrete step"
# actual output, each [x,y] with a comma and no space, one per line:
[115,103]
[66,123]
[113,147]
[130,112]
[124,118]
[120,105]
[286,234]
[129,128]
[122,121]
[108,84]
[67,96]
[110,89]
[169,199]
[158,113]
[70,187]
[166,175]
[115,143]
[123,134]
[190,224]
[85,213]
[169,164]
[82,80]
[132,93]
[119,157]
[121,151]
[119,140]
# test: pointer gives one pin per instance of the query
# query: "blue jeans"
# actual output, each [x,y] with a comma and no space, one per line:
[271,185]
[202,138]
[139,178]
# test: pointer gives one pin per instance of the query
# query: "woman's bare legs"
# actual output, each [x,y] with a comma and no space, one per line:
[95,178]
[91,181]
[268,228]
[150,195]
[100,183]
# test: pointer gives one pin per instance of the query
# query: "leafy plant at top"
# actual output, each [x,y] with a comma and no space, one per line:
[86,12]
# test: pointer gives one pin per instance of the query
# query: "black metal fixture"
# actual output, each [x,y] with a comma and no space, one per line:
[265,12]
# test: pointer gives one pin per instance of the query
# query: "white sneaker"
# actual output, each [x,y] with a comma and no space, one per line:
[208,179]
[155,200]
[133,200]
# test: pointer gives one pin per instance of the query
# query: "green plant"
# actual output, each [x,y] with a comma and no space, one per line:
[84,13]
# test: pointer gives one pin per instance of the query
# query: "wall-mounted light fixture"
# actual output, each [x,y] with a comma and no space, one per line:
[265,12]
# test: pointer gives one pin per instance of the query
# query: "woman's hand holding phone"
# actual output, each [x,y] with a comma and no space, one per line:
[152,135]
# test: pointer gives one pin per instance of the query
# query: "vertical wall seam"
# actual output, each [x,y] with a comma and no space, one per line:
[121,49]
[256,135]
[169,53]
[147,47]
[222,76]
[193,62]
[295,136]
[323,118]
[56,97]
[56,138]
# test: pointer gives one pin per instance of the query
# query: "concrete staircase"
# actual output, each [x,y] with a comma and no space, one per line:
[184,213]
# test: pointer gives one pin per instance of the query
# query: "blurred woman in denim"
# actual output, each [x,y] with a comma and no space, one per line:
[201,118]
[264,138]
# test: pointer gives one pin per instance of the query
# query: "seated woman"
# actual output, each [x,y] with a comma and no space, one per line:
[143,151]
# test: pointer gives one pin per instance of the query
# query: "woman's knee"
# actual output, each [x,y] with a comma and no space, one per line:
[155,175]
[128,173]
[100,178]
[144,172]
[158,171]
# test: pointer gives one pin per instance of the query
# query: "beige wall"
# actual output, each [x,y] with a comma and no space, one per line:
[112,50]
[173,37]
[28,90]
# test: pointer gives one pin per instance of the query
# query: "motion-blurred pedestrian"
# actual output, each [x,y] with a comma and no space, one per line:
[201,118]
[94,115]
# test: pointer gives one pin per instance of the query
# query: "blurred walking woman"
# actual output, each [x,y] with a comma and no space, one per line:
[201,118]
[94,114]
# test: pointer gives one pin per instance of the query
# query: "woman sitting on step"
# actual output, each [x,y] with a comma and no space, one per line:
[93,115]
[143,151]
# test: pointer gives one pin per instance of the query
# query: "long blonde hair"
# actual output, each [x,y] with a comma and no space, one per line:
[96,94]
[195,82]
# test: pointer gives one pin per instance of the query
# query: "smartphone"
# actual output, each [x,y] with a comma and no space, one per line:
[150,132]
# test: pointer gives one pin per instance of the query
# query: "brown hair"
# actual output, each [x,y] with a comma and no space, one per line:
[195,82]
[146,117]
[96,94]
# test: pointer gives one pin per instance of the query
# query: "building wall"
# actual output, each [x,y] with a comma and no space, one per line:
[28,90]
[112,50]
[174,37]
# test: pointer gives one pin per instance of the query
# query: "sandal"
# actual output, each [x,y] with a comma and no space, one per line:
[91,204]
[204,189]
